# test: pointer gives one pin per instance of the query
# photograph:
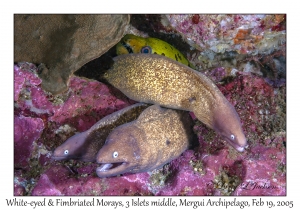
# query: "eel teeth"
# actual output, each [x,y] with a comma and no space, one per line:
[104,167]
[108,166]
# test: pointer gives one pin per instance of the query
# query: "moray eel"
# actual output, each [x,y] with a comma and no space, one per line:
[157,136]
[160,80]
[135,44]
[84,146]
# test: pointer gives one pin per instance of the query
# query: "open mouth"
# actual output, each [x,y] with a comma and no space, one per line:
[237,147]
[108,166]
[111,169]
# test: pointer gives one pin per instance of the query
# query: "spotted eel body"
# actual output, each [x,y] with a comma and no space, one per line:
[158,136]
[160,80]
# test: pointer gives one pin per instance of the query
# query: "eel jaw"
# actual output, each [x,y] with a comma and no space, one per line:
[239,148]
[112,169]
[58,157]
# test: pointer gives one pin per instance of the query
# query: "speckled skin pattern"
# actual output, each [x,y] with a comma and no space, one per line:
[160,80]
[158,136]
[84,146]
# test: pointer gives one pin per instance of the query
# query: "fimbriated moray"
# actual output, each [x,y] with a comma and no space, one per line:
[136,44]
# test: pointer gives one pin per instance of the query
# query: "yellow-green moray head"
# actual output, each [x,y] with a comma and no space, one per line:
[135,44]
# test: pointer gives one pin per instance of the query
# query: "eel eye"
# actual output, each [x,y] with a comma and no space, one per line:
[66,152]
[146,50]
[115,154]
[232,137]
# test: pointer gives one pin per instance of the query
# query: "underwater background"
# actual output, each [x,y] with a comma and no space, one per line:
[58,92]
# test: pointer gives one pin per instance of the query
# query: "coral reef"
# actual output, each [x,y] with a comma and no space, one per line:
[26,131]
[64,43]
[43,121]
[243,54]
[213,168]
[249,34]
[249,43]
[243,42]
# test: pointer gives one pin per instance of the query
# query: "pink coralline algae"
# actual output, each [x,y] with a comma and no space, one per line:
[44,121]
[26,131]
[82,105]
[60,180]
[216,169]
[246,34]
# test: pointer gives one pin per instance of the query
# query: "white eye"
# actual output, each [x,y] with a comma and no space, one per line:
[115,154]
[66,152]
[232,137]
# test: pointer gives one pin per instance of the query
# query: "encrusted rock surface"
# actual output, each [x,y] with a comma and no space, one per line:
[213,168]
[244,56]
[64,43]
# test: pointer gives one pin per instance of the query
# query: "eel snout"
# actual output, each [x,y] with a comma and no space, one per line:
[240,145]
[111,169]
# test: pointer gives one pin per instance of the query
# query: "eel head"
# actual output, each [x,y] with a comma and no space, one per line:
[227,123]
[73,148]
[120,153]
